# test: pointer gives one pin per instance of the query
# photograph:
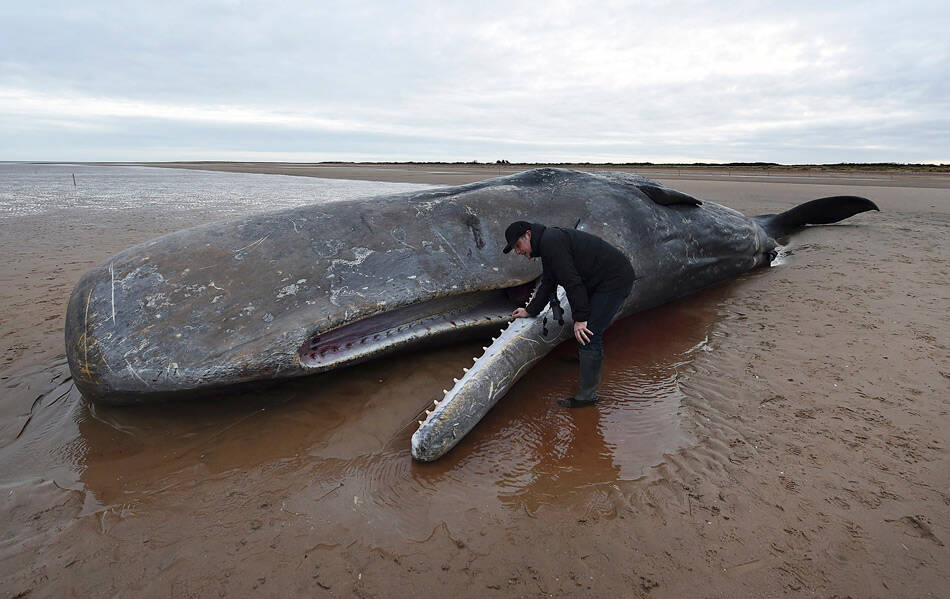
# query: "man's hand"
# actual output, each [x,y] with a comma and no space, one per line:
[520,313]
[582,333]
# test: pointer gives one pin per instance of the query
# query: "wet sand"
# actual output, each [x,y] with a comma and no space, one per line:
[460,173]
[783,433]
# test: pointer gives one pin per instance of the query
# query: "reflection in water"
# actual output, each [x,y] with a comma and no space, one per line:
[548,455]
[335,447]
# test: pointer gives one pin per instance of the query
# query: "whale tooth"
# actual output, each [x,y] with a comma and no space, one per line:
[484,349]
[420,422]
[435,401]
[428,412]
[455,380]
[465,370]
[474,358]
[444,392]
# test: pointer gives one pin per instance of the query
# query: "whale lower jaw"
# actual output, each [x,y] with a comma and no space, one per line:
[507,359]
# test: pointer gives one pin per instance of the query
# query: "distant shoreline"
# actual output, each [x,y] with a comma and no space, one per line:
[448,173]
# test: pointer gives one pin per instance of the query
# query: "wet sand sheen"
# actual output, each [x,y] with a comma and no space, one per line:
[729,419]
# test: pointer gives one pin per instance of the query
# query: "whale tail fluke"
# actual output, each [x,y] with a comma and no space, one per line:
[822,211]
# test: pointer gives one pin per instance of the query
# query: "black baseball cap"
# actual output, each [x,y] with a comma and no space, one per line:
[514,231]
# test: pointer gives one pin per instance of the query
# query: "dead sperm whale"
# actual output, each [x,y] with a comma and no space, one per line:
[309,289]
[676,244]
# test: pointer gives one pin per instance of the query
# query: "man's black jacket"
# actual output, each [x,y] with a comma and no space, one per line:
[581,263]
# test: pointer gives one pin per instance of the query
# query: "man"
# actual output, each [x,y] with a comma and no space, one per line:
[597,278]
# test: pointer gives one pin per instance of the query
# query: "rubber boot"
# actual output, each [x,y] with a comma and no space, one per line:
[592,363]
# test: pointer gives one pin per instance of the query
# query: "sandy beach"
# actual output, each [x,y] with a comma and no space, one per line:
[782,434]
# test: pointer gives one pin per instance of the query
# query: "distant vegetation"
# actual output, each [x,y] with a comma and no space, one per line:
[729,167]
[747,166]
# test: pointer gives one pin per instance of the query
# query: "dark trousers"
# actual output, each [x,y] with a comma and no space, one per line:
[603,307]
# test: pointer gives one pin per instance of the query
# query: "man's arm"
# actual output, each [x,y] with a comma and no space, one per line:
[543,294]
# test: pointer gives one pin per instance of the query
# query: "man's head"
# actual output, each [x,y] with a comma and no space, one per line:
[518,236]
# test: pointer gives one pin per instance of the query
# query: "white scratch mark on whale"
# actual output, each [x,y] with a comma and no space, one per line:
[112,274]
[290,289]
[451,247]
[359,255]
[335,294]
[259,241]
[136,375]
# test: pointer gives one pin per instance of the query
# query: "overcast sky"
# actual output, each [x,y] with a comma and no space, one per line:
[660,81]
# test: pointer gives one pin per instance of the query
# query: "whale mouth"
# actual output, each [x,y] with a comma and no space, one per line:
[441,319]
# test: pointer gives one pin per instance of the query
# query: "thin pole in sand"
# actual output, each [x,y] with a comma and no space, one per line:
[74,179]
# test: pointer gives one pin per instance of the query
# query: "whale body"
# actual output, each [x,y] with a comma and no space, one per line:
[310,289]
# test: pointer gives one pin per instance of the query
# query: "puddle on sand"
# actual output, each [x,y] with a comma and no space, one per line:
[335,447]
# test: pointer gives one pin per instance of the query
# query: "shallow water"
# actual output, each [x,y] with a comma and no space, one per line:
[33,189]
[350,430]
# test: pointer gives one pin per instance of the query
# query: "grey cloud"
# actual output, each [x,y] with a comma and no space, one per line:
[427,80]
